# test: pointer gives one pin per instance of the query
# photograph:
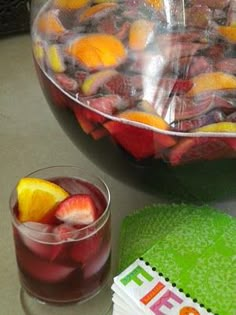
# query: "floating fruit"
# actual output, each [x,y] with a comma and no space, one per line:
[228,32]
[108,104]
[211,117]
[156,4]
[37,197]
[38,51]
[49,24]
[70,4]
[212,81]
[92,82]
[97,51]
[97,11]
[120,85]
[154,121]
[55,59]
[145,118]
[84,123]
[198,16]
[136,141]
[218,127]
[140,34]
[67,83]
[107,25]
[99,133]
[199,148]
[77,210]
[140,142]
[213,4]
[205,148]
[83,250]
[227,65]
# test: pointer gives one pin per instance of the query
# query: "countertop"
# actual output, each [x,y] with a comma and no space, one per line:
[30,139]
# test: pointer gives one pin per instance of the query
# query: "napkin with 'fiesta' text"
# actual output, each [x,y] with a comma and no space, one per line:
[190,268]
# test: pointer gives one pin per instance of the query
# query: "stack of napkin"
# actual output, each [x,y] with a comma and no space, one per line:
[177,260]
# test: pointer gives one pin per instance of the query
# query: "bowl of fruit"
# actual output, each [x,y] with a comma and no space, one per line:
[145,88]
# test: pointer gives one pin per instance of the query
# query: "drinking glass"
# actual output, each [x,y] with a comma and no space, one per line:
[64,269]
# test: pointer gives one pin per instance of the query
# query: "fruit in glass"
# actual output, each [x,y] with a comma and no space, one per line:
[62,235]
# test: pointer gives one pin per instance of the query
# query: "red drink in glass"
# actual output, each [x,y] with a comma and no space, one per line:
[60,262]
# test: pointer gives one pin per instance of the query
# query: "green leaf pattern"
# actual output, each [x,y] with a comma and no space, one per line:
[194,247]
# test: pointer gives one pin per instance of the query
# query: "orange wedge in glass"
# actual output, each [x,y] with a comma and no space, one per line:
[97,51]
[49,24]
[37,197]
[212,81]
[70,4]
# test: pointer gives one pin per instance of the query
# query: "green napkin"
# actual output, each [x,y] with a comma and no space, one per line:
[194,247]
[144,227]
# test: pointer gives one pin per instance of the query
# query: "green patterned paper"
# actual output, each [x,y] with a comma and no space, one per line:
[195,248]
[143,228]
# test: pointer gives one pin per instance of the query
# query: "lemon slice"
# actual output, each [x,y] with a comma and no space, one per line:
[219,127]
[36,197]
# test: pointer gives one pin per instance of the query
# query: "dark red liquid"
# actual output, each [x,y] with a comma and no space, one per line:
[135,155]
[194,182]
[70,270]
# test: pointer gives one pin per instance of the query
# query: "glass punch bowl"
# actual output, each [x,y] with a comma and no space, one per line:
[146,89]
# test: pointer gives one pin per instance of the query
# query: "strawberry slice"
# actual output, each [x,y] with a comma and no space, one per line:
[82,251]
[77,210]
[65,232]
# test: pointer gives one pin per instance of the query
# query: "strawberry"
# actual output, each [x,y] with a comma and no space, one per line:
[77,210]
[82,251]
[65,232]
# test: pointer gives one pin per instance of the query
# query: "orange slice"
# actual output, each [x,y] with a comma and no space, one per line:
[156,4]
[145,118]
[228,32]
[49,24]
[70,4]
[212,81]
[218,127]
[36,197]
[141,32]
[97,51]
[101,8]
[162,140]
